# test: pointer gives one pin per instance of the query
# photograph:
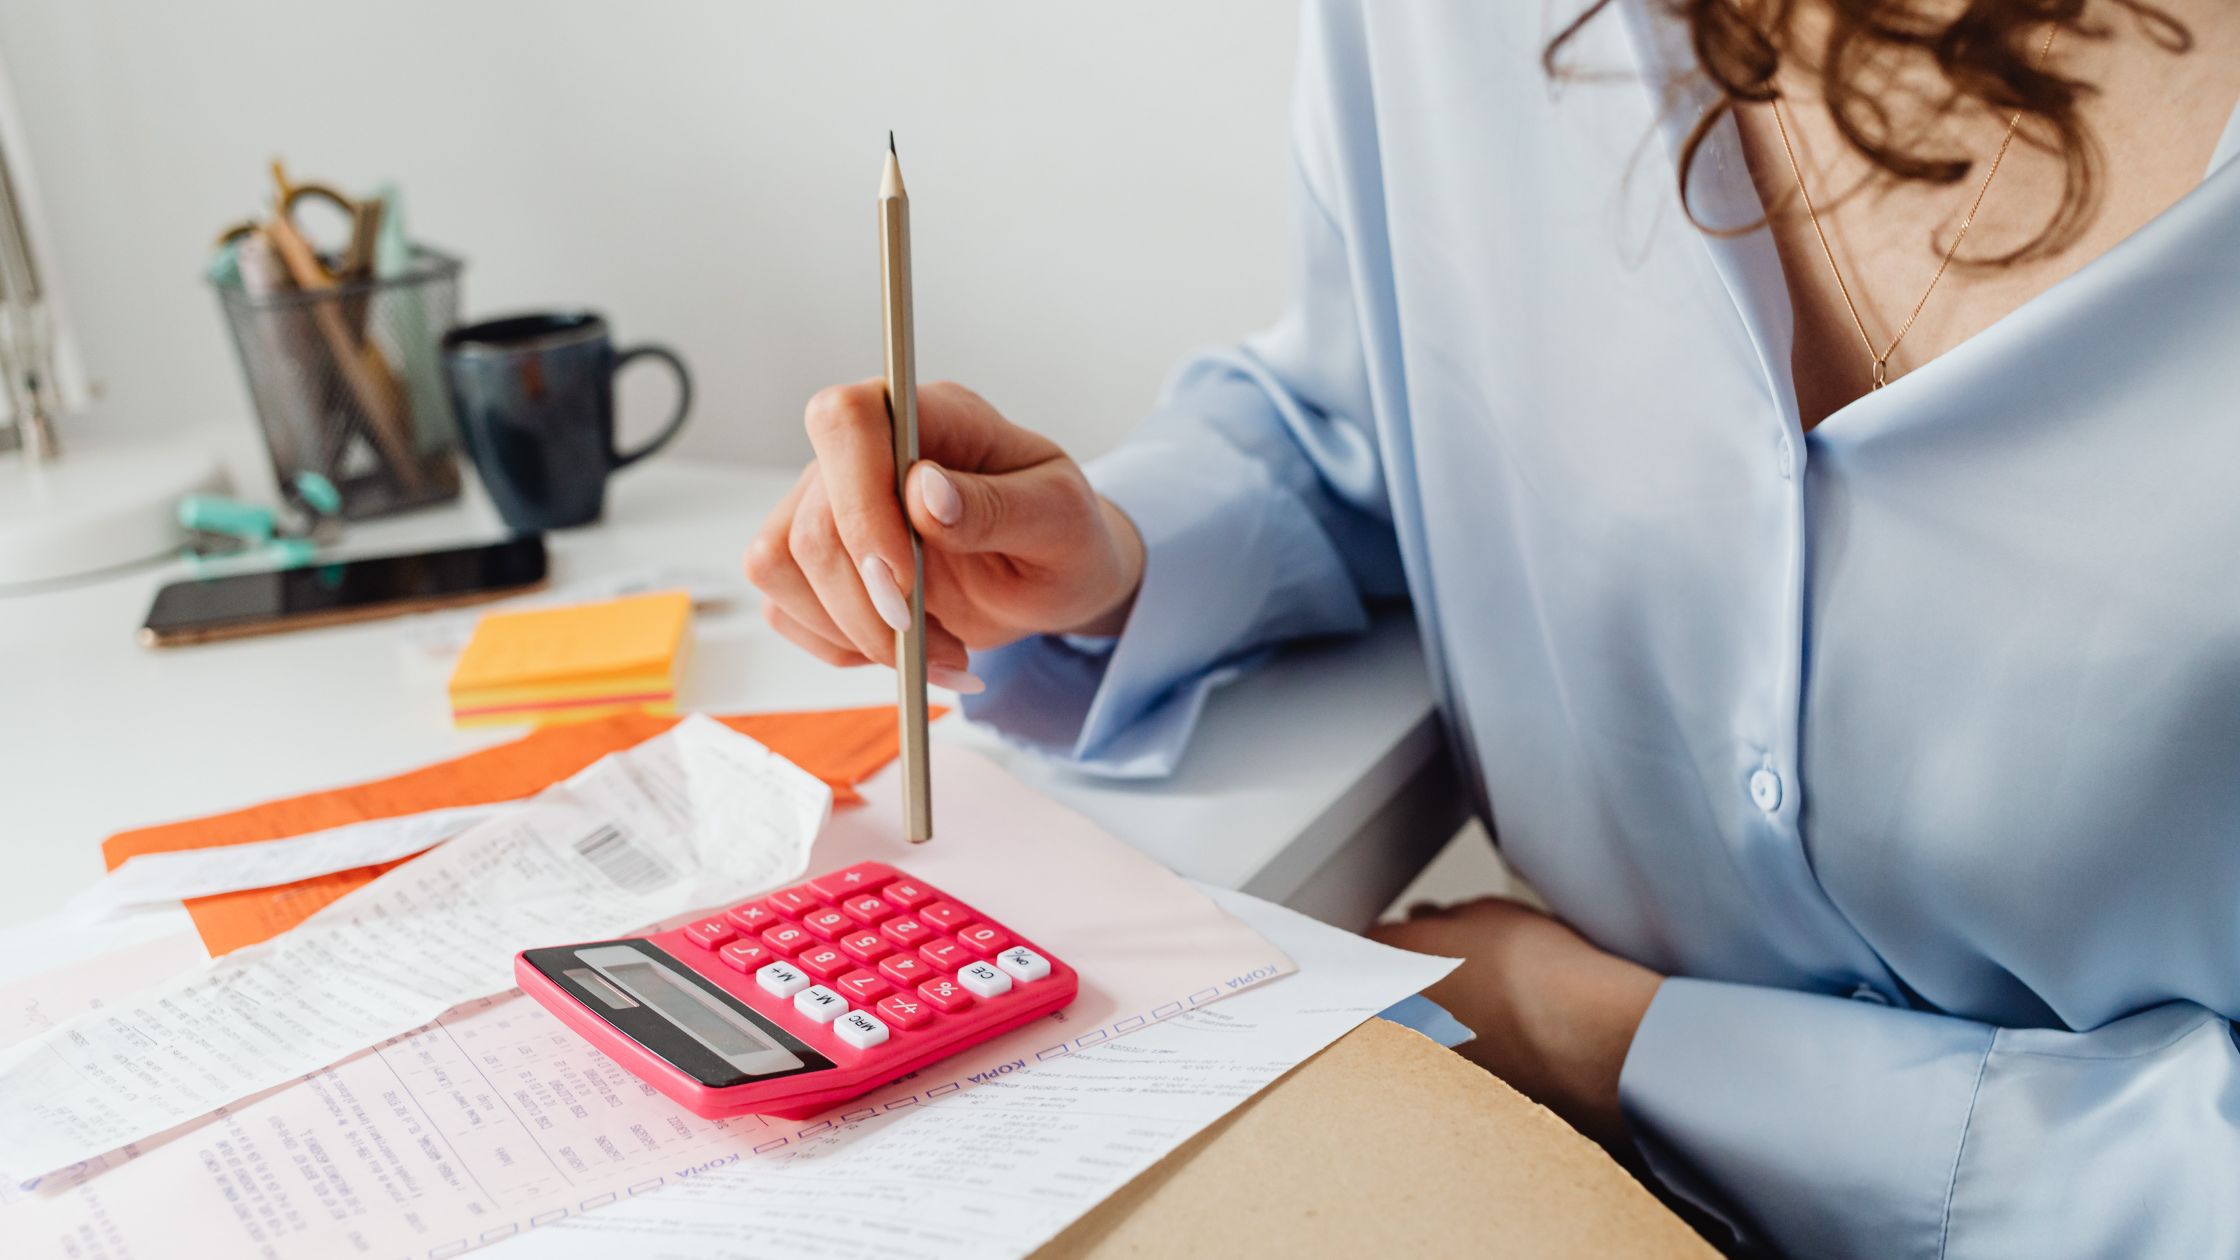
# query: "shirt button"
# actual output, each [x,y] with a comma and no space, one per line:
[1868,993]
[1765,790]
[1785,457]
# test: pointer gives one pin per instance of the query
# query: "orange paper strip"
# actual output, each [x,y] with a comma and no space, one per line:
[841,746]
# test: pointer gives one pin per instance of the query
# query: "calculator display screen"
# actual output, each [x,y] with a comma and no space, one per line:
[732,1033]
[720,1031]
[685,1018]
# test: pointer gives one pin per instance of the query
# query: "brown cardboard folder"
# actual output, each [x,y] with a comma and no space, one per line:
[1436,1158]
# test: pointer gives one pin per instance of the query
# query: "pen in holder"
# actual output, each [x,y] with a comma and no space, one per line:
[347,378]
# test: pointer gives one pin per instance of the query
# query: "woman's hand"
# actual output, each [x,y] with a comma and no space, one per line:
[1015,541]
[1554,1014]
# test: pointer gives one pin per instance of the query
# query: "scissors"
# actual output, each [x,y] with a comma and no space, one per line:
[353,261]
[365,371]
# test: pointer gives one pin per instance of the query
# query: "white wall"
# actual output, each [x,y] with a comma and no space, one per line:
[1095,190]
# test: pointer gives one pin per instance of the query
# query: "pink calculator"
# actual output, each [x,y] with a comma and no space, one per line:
[807,997]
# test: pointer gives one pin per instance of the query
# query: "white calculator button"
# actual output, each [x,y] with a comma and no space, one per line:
[781,979]
[983,980]
[1023,963]
[860,1029]
[820,1004]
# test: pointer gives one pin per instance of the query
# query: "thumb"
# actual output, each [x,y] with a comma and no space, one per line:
[1038,514]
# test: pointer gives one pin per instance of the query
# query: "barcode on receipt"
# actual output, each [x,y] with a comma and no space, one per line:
[630,867]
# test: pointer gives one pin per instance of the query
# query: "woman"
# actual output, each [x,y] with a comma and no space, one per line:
[1877,750]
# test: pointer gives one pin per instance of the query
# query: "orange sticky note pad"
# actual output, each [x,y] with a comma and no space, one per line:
[574,663]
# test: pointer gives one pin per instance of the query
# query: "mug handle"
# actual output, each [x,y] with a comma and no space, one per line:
[623,459]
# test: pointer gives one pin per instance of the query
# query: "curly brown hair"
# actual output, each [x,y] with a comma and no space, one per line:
[1985,49]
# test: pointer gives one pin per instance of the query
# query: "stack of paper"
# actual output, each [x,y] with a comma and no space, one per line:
[545,665]
[494,1121]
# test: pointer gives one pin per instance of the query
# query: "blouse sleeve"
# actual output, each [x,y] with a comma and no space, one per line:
[1258,488]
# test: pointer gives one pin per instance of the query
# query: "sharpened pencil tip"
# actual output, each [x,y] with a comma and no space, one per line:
[890,142]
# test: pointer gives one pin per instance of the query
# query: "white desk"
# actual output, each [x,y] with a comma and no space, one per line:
[1322,781]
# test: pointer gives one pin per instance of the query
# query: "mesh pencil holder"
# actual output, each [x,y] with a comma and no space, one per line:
[348,382]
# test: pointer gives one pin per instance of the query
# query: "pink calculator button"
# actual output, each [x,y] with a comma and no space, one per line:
[984,940]
[747,956]
[787,940]
[945,994]
[908,893]
[794,902]
[861,986]
[944,953]
[852,881]
[905,1010]
[709,933]
[867,910]
[824,962]
[827,924]
[865,947]
[906,933]
[752,917]
[905,970]
[945,916]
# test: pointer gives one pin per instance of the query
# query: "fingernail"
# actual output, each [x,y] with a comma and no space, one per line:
[878,583]
[956,680]
[941,497]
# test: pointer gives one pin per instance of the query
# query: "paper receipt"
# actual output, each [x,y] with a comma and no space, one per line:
[692,817]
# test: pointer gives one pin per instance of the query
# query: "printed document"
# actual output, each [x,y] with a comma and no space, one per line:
[698,815]
[496,1119]
[997,1172]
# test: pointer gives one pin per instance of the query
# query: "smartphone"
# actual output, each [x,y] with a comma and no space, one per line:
[237,605]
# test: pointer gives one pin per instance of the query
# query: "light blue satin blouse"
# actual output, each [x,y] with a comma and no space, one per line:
[1910,748]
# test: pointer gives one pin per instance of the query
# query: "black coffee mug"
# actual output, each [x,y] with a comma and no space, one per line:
[534,395]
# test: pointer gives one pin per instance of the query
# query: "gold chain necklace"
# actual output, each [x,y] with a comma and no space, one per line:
[1882,359]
